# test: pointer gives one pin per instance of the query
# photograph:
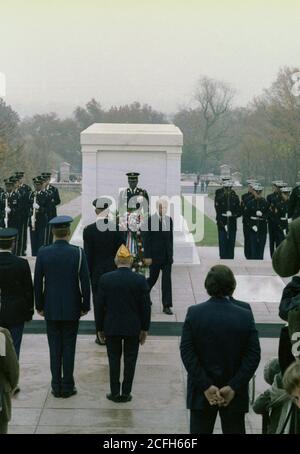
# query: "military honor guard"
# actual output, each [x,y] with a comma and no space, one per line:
[133,197]
[62,296]
[24,190]
[123,320]
[16,289]
[52,203]
[10,209]
[280,215]
[272,200]
[38,222]
[158,245]
[228,209]
[246,229]
[294,202]
[256,215]
[101,241]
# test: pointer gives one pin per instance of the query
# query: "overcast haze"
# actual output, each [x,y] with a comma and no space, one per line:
[59,54]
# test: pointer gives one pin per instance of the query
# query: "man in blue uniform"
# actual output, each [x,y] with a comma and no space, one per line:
[38,215]
[280,215]
[123,320]
[62,296]
[52,203]
[257,214]
[294,202]
[244,200]
[24,190]
[228,209]
[101,240]
[134,194]
[16,289]
[272,199]
[10,209]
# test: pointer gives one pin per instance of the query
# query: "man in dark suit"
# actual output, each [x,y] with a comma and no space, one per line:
[221,352]
[123,318]
[101,240]
[52,203]
[16,289]
[158,245]
[62,296]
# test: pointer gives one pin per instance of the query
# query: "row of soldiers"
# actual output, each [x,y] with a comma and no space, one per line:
[259,215]
[22,207]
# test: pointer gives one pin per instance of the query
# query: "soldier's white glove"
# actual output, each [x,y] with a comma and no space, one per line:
[289,220]
[255,228]
[7,210]
[225,227]
[228,213]
[36,206]
[258,213]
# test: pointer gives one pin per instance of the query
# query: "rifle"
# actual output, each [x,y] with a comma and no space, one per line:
[6,211]
[33,217]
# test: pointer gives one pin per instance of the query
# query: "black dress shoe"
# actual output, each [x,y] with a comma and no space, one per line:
[126,398]
[55,393]
[99,342]
[67,394]
[114,397]
[167,310]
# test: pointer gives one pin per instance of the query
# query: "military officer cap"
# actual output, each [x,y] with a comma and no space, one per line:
[19,174]
[286,189]
[132,175]
[102,203]
[8,182]
[46,174]
[251,182]
[277,183]
[61,221]
[225,178]
[13,179]
[281,184]
[7,234]
[258,188]
[227,183]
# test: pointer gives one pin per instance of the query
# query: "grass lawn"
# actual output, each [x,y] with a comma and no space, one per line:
[66,196]
[210,227]
[75,223]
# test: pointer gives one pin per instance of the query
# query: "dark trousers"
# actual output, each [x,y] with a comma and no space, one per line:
[62,336]
[16,332]
[38,239]
[272,237]
[117,345]
[278,236]
[166,283]
[203,421]
[24,233]
[258,243]
[226,243]
[49,235]
[247,246]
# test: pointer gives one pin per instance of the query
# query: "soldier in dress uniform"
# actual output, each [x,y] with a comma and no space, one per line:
[101,240]
[138,196]
[228,209]
[220,190]
[244,200]
[38,215]
[24,190]
[294,202]
[10,209]
[257,213]
[53,202]
[280,215]
[272,199]
[62,296]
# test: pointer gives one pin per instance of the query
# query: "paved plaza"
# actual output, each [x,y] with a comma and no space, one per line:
[158,404]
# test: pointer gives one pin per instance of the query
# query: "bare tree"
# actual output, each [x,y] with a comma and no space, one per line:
[214,106]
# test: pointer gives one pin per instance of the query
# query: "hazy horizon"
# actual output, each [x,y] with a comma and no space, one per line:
[60,55]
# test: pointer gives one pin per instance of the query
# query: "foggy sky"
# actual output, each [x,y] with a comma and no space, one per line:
[58,54]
